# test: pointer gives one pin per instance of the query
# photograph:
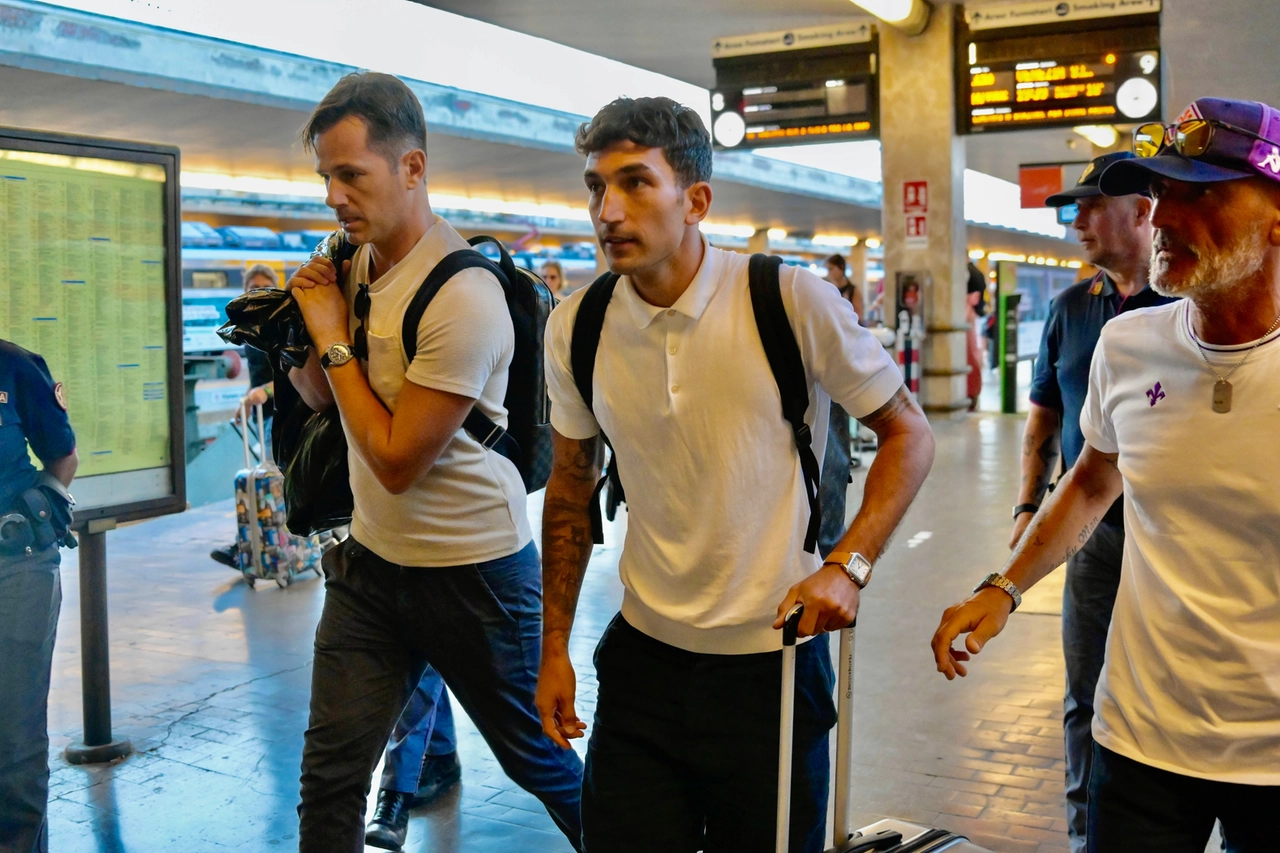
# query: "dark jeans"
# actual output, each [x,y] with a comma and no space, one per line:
[834,483]
[1133,806]
[30,598]
[425,728]
[1093,578]
[480,626]
[684,752]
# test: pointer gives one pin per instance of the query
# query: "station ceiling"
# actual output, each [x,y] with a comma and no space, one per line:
[1211,47]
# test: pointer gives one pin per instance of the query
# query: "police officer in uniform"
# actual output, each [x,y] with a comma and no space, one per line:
[34,514]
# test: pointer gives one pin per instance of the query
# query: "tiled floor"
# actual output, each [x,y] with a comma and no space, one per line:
[210,681]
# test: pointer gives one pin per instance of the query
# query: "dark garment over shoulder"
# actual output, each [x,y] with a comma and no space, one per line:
[1061,382]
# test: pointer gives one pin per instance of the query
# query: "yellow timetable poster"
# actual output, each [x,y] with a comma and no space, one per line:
[82,283]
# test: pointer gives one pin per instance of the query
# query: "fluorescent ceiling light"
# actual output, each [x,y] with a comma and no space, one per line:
[777,233]
[976,254]
[873,243]
[910,16]
[1101,135]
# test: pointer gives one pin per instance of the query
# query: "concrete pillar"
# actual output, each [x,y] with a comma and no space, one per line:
[758,242]
[917,133]
[857,258]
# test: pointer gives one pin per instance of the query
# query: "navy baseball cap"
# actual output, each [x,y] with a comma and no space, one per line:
[1087,186]
[1225,140]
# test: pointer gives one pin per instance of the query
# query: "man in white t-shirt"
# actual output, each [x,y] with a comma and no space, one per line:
[1181,417]
[683,755]
[440,566]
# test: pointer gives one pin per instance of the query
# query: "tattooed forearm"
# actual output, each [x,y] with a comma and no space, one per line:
[879,420]
[566,531]
[1039,454]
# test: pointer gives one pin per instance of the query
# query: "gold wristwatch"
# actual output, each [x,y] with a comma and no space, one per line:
[853,564]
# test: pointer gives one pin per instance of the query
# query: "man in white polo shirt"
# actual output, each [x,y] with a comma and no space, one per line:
[1182,416]
[683,755]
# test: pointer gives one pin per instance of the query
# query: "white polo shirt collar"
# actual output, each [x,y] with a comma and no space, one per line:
[691,303]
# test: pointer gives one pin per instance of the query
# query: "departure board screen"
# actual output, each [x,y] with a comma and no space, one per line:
[1100,71]
[86,284]
[795,87]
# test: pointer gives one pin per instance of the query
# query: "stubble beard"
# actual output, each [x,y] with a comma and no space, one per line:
[1214,273]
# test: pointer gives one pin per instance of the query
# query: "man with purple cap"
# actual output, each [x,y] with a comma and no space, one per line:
[1115,234]
[1181,418]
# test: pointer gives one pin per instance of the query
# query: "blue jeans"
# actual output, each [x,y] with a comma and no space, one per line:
[684,752]
[30,599]
[1133,806]
[834,484]
[479,625]
[425,728]
[1093,578]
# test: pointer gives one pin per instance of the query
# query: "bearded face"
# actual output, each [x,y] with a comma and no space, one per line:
[1182,267]
[1209,237]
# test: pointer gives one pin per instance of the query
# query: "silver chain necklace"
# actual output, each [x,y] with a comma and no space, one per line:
[1222,388]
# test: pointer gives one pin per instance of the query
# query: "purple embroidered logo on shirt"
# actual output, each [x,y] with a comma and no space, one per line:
[1155,395]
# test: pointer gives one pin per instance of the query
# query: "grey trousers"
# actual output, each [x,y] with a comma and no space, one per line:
[1093,578]
[30,599]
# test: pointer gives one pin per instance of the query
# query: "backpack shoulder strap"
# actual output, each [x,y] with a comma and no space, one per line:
[586,334]
[481,426]
[587,326]
[787,365]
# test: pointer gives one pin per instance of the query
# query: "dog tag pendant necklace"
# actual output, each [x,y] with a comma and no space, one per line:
[1222,388]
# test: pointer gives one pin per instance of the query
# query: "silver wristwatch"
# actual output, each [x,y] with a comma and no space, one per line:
[336,355]
[1001,582]
[856,566]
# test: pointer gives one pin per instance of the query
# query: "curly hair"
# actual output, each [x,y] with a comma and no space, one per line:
[652,123]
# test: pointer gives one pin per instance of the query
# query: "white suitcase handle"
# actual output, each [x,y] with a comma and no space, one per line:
[843,827]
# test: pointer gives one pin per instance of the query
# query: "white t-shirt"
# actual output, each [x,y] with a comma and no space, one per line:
[470,506]
[1192,676]
[717,510]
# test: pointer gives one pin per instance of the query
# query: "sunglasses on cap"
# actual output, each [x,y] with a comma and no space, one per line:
[1190,138]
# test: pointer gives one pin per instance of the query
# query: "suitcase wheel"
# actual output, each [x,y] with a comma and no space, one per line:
[282,581]
[250,580]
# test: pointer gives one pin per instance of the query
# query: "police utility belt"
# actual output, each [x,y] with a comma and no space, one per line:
[38,519]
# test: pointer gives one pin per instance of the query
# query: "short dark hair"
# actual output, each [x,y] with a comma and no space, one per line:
[652,123]
[837,261]
[388,108]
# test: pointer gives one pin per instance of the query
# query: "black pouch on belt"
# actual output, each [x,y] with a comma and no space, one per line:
[34,504]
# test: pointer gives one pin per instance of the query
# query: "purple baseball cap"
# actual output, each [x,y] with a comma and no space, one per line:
[1230,155]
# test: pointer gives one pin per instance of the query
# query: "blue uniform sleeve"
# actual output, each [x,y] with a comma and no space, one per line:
[44,421]
[1045,390]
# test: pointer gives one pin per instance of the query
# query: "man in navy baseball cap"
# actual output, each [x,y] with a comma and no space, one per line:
[1115,236]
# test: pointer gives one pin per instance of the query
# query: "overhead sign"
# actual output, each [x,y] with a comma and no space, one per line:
[1023,13]
[91,282]
[1090,70]
[855,31]
[792,87]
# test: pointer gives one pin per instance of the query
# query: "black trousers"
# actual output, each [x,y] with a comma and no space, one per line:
[1133,806]
[684,751]
[479,625]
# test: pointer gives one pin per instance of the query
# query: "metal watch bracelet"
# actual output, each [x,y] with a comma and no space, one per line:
[1000,582]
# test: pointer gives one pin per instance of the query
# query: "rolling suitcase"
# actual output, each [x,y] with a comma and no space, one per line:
[886,836]
[265,549]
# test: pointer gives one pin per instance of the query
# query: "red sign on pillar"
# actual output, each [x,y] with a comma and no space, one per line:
[915,207]
[915,196]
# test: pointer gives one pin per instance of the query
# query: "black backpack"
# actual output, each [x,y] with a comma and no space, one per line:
[780,347]
[527,439]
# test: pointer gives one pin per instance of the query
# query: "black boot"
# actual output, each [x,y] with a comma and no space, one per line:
[439,774]
[226,556]
[390,821]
